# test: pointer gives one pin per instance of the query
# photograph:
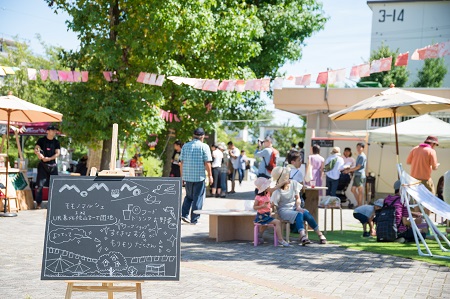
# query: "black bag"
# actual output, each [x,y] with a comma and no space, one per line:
[386,225]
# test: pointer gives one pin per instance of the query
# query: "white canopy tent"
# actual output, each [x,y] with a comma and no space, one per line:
[410,132]
[414,131]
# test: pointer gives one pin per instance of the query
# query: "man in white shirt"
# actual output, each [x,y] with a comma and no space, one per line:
[216,164]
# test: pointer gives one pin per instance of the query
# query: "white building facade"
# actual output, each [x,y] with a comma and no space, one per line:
[410,25]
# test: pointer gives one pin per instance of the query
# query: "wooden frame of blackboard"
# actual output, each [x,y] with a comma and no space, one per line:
[79,249]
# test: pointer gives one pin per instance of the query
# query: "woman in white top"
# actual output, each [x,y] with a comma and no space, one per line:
[216,164]
[335,165]
[287,201]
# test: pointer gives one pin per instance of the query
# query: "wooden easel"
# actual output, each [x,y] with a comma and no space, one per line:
[107,286]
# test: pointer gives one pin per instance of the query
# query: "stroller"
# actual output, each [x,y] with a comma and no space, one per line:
[344,181]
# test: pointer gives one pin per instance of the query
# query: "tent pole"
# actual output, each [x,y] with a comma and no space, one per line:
[396,135]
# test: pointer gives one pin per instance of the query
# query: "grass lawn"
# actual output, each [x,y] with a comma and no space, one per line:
[353,239]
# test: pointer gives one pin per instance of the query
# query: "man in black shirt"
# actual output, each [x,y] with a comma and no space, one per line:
[47,149]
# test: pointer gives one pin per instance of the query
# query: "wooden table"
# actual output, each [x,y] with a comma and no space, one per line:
[25,197]
[227,225]
[312,201]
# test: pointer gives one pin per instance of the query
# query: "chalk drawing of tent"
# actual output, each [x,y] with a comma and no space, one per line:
[155,270]
[58,265]
[78,268]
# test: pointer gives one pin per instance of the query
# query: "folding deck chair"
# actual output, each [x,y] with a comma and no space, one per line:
[413,191]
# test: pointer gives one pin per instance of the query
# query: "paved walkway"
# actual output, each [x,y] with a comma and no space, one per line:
[234,269]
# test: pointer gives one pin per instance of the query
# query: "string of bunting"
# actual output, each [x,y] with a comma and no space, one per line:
[239,85]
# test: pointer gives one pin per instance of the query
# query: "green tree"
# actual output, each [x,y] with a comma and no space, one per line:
[286,135]
[432,73]
[198,39]
[397,75]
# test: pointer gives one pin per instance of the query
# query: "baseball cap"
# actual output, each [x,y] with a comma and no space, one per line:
[397,185]
[268,138]
[51,127]
[199,132]
[432,139]
[379,202]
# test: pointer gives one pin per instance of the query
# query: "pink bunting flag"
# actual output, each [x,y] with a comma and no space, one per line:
[84,76]
[265,84]
[152,79]
[278,83]
[402,59]
[166,115]
[322,78]
[76,76]
[31,74]
[70,76]
[160,80]
[257,84]
[170,116]
[250,85]
[433,51]
[306,80]
[223,85]
[107,76]
[298,80]
[240,86]
[146,79]
[44,74]
[140,78]
[290,78]
[176,118]
[354,72]
[53,75]
[231,85]
[199,83]
[385,64]
[62,76]
[211,85]
[364,70]
[189,81]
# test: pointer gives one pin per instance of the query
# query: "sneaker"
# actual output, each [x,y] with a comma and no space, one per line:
[38,206]
[284,243]
[322,240]
[366,234]
[185,219]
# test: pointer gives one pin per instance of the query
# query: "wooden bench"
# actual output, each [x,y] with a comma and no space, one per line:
[227,225]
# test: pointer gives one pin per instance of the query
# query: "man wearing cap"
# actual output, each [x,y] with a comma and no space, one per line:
[264,151]
[195,158]
[359,174]
[335,164]
[423,159]
[47,149]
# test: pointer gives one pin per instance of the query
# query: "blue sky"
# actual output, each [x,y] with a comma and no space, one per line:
[344,42]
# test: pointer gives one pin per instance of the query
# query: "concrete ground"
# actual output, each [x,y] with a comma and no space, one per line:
[235,269]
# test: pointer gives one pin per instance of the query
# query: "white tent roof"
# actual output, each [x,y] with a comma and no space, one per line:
[414,131]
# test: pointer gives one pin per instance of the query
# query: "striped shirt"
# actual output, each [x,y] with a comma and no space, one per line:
[194,154]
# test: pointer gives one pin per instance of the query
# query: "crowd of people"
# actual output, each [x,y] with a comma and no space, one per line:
[197,164]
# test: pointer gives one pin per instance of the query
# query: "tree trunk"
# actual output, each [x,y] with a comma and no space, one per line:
[94,158]
[106,155]
[168,160]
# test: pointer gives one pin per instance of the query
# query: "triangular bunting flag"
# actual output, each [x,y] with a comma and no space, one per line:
[31,74]
[402,59]
[44,74]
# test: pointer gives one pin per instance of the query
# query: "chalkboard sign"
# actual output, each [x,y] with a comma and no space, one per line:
[322,142]
[109,228]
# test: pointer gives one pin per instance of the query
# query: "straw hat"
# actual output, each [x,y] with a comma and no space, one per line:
[336,150]
[280,174]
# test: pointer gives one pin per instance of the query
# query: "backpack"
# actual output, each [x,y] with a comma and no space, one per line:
[330,165]
[272,162]
[386,225]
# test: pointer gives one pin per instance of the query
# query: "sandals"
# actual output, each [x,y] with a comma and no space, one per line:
[304,240]
[322,239]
